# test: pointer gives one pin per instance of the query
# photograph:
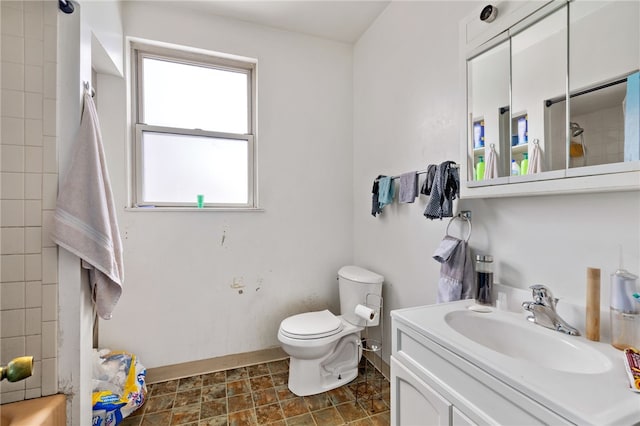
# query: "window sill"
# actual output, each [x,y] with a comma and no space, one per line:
[194,209]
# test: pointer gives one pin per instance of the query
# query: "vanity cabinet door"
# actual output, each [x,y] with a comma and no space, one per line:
[459,419]
[413,402]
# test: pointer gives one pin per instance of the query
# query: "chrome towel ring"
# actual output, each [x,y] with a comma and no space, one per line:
[464,216]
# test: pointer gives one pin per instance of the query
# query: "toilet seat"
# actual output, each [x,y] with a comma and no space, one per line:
[311,325]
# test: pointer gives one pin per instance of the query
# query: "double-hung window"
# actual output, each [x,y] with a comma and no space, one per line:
[194,129]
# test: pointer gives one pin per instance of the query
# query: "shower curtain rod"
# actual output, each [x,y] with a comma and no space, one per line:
[550,102]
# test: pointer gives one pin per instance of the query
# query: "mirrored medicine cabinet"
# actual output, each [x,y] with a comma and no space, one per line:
[553,94]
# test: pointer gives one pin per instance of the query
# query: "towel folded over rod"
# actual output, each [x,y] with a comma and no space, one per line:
[408,187]
[386,191]
[428,180]
[456,274]
[456,269]
[445,189]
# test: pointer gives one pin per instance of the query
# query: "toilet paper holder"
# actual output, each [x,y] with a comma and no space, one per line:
[369,310]
[369,388]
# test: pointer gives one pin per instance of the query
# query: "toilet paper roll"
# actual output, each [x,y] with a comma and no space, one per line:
[365,312]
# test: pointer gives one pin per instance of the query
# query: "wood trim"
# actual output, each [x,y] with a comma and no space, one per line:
[210,365]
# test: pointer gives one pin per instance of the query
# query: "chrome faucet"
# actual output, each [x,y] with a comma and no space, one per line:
[543,311]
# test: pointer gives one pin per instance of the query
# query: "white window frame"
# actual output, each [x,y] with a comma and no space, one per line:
[139,51]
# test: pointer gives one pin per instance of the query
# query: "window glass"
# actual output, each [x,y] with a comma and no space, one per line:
[194,97]
[179,167]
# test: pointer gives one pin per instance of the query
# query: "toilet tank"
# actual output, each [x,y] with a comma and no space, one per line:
[354,284]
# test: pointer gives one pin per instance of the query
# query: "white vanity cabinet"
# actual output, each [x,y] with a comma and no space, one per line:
[431,385]
[414,401]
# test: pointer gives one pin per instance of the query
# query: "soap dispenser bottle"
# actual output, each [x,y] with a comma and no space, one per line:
[480,168]
[524,164]
[624,311]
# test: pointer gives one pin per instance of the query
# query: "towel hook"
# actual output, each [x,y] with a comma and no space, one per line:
[464,216]
[89,89]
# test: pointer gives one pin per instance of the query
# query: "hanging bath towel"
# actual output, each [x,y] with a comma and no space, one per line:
[84,222]
[456,270]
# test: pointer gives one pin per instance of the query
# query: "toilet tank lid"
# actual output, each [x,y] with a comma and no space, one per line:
[361,275]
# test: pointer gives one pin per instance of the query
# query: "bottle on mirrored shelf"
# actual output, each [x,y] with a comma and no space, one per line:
[480,168]
[515,169]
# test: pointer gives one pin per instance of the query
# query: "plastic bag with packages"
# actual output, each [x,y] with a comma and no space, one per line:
[119,386]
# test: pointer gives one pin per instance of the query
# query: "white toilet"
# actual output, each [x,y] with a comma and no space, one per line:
[325,348]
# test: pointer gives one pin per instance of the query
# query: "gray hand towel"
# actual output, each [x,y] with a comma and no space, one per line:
[408,187]
[456,275]
[446,249]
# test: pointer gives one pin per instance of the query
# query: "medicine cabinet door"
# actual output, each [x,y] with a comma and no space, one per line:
[539,73]
[604,84]
[488,105]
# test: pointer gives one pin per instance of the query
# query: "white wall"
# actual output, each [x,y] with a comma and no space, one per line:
[179,302]
[409,112]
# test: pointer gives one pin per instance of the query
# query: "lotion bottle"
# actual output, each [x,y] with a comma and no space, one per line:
[624,311]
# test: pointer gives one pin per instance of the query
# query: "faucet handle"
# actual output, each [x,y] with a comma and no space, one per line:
[542,295]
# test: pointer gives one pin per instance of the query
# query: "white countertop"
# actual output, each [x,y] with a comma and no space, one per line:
[596,398]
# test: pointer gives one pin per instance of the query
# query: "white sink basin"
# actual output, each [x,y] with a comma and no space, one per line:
[514,337]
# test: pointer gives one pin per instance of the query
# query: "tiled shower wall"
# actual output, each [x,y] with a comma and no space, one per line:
[603,136]
[29,179]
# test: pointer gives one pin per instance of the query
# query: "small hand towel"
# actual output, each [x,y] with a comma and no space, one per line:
[386,191]
[445,249]
[535,160]
[84,221]
[456,275]
[408,187]
[491,167]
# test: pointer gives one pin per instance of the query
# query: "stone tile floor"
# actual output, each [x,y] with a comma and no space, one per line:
[258,395]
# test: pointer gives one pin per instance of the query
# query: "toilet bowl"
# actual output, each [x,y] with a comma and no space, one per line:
[324,348]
